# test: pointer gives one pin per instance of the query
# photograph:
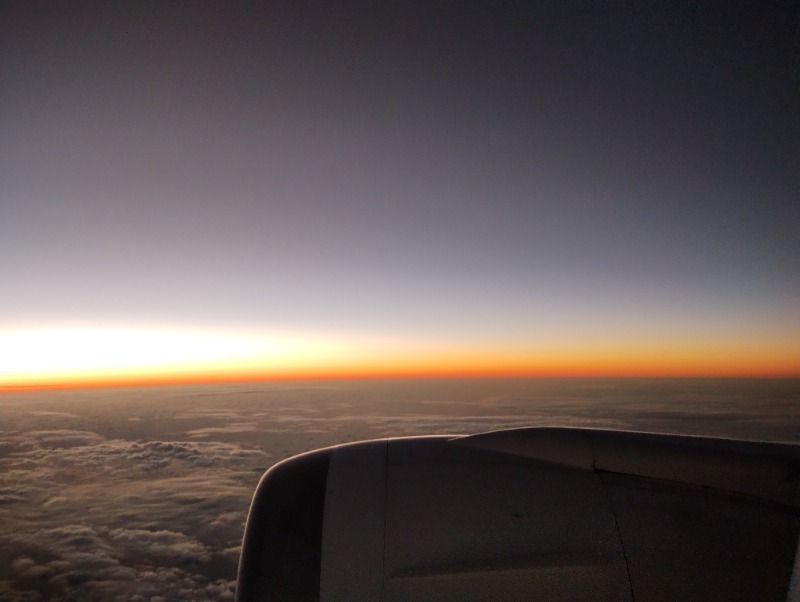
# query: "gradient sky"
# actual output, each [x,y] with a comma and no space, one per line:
[313,188]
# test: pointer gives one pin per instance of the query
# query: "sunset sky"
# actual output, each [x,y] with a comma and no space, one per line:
[221,190]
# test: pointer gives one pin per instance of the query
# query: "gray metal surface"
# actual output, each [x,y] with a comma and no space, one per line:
[551,514]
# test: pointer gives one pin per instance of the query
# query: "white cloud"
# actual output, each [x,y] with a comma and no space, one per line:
[160,544]
[89,518]
[65,438]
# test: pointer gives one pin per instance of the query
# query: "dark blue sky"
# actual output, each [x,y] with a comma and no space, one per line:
[508,174]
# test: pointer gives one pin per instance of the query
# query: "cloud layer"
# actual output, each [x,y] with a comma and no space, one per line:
[111,519]
[142,494]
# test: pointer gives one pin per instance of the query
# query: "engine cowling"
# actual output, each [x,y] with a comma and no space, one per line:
[551,514]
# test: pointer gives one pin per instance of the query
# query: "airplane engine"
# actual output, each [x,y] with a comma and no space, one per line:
[527,514]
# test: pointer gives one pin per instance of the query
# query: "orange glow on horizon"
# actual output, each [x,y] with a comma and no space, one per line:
[555,367]
[82,358]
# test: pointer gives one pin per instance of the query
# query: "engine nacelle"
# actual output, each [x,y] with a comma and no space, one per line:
[542,513]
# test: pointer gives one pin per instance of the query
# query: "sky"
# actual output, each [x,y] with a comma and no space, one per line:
[222,190]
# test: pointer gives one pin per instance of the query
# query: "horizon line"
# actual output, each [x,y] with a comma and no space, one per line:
[465,375]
